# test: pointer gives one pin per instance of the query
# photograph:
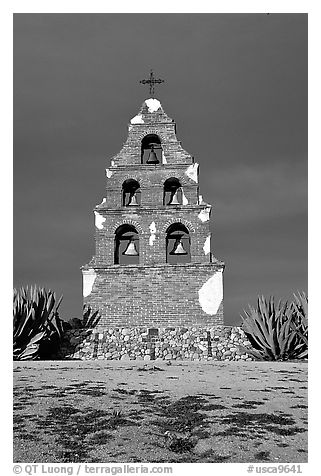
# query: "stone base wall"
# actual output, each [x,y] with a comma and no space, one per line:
[214,343]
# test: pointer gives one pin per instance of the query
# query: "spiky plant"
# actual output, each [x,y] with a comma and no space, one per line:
[90,318]
[300,321]
[273,329]
[37,327]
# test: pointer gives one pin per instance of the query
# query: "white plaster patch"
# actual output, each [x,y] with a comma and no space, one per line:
[137,119]
[99,220]
[152,229]
[204,215]
[109,173]
[164,158]
[207,245]
[192,172]
[103,201]
[89,277]
[153,104]
[211,293]
[184,199]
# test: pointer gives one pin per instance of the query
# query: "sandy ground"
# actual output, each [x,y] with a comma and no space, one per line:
[115,411]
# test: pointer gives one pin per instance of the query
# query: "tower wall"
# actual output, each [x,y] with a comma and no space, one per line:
[155,292]
[157,296]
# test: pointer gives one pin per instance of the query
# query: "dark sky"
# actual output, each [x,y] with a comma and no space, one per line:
[236,85]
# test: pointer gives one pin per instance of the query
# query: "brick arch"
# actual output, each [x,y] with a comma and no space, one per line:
[129,177]
[127,222]
[141,180]
[183,179]
[151,131]
[187,223]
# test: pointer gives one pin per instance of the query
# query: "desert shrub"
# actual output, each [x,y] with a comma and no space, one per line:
[37,327]
[277,331]
[299,321]
[89,319]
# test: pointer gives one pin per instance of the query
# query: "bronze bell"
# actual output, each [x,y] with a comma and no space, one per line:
[152,158]
[131,249]
[178,248]
[132,200]
[174,199]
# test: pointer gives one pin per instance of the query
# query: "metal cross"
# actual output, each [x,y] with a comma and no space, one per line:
[151,81]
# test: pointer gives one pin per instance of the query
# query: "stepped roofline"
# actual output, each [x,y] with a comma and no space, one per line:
[151,111]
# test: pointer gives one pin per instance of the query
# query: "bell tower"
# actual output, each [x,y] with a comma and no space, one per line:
[153,266]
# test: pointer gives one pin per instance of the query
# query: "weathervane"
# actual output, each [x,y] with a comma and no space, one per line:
[151,81]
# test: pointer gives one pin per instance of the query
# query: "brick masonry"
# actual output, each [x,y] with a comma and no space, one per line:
[154,293]
[154,296]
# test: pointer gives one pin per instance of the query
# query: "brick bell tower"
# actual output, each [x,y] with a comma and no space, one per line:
[153,266]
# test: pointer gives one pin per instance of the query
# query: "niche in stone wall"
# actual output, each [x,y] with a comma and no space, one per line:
[172,192]
[151,150]
[131,196]
[178,246]
[126,245]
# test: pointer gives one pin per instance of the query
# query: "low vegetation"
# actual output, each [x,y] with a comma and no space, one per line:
[278,331]
[89,319]
[37,328]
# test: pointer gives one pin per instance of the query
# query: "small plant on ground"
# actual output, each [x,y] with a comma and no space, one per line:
[37,328]
[277,331]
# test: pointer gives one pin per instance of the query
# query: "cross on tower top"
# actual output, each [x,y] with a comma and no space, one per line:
[151,81]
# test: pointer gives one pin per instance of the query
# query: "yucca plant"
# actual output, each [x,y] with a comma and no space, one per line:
[274,330]
[37,328]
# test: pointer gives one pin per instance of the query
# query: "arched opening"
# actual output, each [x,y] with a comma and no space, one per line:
[151,151]
[126,245]
[178,246]
[172,192]
[131,193]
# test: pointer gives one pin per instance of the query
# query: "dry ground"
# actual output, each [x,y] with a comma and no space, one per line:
[107,411]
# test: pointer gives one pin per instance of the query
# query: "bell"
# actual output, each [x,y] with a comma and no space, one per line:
[132,201]
[174,199]
[152,158]
[178,248]
[131,249]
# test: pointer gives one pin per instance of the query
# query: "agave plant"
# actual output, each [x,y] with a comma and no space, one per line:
[274,329]
[36,323]
[90,318]
[300,321]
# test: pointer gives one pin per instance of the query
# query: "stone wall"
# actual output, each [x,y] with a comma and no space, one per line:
[215,343]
